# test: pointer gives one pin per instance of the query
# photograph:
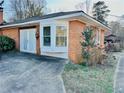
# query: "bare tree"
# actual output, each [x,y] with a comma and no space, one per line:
[84,6]
[115,26]
[27,8]
[118,30]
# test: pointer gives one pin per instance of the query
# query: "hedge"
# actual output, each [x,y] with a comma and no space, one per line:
[6,43]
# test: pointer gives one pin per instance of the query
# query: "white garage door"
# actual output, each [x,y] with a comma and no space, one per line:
[28,40]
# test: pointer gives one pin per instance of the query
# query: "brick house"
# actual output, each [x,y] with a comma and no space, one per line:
[57,34]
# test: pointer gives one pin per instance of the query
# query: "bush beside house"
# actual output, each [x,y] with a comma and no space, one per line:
[6,43]
[87,44]
[98,56]
[91,53]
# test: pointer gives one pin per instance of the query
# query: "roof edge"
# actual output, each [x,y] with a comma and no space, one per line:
[71,14]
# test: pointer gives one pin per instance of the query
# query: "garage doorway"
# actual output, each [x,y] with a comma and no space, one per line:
[28,40]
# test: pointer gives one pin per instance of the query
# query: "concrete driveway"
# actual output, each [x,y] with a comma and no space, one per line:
[28,73]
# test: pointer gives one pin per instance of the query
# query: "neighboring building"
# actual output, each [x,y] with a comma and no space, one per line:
[111,38]
[57,34]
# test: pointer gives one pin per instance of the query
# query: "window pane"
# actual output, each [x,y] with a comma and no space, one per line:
[61,36]
[47,41]
[46,31]
[61,41]
[61,31]
[46,36]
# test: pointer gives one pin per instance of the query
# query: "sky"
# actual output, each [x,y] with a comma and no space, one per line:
[116,6]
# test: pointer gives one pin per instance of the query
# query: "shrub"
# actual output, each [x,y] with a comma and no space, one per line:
[98,56]
[116,47]
[87,44]
[91,53]
[6,43]
[113,47]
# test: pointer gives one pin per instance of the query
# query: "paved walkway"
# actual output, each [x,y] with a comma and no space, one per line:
[119,79]
[26,73]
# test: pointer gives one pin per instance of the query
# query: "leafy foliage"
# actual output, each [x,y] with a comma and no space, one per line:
[6,43]
[100,11]
[88,43]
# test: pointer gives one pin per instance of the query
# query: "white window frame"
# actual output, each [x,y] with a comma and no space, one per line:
[62,48]
[62,36]
[46,36]
[98,34]
[42,25]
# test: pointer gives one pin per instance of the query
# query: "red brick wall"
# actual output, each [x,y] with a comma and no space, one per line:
[12,33]
[75,29]
[0,32]
[38,41]
[1,16]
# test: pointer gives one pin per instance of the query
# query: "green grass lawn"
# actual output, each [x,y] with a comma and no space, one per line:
[92,79]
